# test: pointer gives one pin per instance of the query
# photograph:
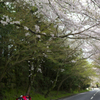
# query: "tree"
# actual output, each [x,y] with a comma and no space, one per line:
[77,19]
[27,45]
[38,40]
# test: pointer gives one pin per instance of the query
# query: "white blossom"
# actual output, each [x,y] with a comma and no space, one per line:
[27,34]
[37,28]
[39,70]
[25,27]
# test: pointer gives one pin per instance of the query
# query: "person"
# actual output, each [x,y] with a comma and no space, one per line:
[28,97]
[24,97]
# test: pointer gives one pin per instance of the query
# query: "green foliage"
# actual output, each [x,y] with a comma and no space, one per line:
[34,9]
[53,60]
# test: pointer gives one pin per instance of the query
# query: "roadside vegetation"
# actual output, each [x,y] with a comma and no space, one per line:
[12,95]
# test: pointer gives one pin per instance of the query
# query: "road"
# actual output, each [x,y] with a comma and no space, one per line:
[91,95]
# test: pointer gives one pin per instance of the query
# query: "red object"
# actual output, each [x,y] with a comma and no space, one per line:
[24,97]
[28,97]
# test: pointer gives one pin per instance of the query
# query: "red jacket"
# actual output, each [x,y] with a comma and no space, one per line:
[24,98]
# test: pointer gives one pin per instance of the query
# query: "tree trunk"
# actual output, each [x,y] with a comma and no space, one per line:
[31,78]
[54,84]
[61,84]
[29,89]
[29,84]
[3,74]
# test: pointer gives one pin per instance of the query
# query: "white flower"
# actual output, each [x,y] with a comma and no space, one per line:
[26,28]
[37,28]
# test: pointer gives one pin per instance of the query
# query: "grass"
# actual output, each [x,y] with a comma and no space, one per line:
[13,94]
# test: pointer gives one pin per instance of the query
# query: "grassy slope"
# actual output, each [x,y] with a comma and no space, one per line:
[13,94]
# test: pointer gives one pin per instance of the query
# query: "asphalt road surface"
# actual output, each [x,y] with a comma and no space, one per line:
[91,95]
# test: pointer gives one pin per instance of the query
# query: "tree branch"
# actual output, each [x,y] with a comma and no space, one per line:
[78,32]
[73,34]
